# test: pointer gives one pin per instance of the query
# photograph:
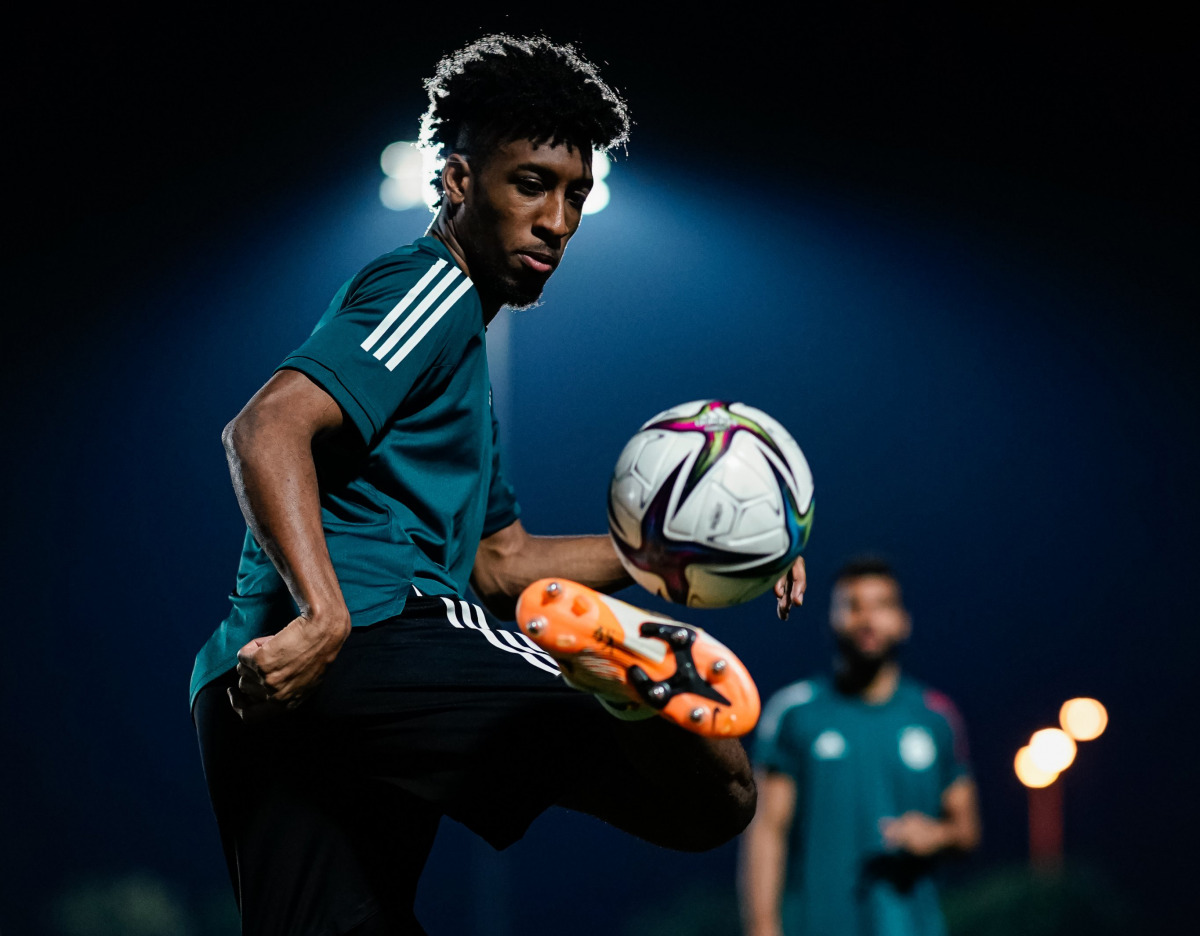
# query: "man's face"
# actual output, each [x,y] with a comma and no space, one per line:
[868,617]
[519,211]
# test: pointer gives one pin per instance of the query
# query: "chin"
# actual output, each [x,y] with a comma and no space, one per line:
[521,295]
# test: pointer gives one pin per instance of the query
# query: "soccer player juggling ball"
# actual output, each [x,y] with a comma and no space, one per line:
[352,696]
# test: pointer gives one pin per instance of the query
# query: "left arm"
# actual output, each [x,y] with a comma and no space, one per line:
[958,828]
[511,559]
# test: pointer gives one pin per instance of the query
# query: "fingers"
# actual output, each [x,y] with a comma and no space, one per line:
[799,581]
[253,711]
[790,589]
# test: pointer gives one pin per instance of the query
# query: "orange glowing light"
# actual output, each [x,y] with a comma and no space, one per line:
[1052,749]
[1029,773]
[1083,719]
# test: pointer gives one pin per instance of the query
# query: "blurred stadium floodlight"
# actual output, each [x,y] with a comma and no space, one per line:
[409,167]
[1052,749]
[1038,765]
[1083,719]
[1029,773]
[599,197]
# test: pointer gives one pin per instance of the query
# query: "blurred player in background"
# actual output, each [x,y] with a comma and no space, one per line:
[352,697]
[863,782]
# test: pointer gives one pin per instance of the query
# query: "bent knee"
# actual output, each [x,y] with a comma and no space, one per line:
[721,819]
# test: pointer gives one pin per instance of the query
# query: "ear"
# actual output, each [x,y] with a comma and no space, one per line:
[456,179]
[907,627]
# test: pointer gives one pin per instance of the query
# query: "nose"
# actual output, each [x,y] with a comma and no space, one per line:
[552,221]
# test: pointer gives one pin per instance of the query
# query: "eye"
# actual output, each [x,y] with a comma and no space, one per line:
[530,185]
[578,197]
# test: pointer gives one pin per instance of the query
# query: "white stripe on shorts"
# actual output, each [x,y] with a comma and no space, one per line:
[459,614]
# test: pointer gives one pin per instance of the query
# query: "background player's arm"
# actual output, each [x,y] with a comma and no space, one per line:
[269,448]
[958,828]
[763,855]
[512,558]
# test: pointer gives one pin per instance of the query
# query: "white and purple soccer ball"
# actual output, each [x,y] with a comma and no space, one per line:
[710,503]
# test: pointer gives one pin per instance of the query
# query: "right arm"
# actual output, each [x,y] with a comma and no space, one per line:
[269,448]
[763,855]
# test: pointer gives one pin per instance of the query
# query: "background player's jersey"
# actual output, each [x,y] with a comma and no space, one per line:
[401,349]
[855,764]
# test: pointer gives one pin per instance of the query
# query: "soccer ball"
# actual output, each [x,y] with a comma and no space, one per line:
[710,503]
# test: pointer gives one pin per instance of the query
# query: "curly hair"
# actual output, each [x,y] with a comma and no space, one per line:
[502,88]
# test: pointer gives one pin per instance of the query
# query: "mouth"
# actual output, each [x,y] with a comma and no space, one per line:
[538,261]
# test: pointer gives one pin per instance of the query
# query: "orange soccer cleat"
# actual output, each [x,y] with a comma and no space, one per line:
[632,659]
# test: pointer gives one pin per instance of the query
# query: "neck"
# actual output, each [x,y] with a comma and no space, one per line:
[443,229]
[874,683]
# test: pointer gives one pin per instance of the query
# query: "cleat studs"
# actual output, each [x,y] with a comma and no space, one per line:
[719,666]
[657,692]
[553,589]
[697,714]
[536,626]
[681,637]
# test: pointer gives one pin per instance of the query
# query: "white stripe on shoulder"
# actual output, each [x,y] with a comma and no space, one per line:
[421,332]
[788,697]
[411,319]
[399,307]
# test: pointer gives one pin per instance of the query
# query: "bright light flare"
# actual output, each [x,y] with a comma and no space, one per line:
[409,169]
[1029,773]
[600,196]
[600,165]
[1052,749]
[1083,719]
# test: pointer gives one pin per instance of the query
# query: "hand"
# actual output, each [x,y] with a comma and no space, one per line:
[790,589]
[275,672]
[915,833]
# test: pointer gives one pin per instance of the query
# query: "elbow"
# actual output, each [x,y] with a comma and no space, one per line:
[229,437]
[489,589]
[497,577]
[237,434]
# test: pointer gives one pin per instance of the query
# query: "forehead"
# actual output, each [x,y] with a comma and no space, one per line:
[867,588]
[564,160]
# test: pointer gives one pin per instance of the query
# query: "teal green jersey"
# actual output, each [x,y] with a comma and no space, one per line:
[854,765]
[402,350]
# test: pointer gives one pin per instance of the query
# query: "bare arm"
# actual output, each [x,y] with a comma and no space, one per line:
[957,829]
[511,559]
[763,855]
[269,448]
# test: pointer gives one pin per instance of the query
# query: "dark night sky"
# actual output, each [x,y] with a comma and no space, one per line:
[1061,138]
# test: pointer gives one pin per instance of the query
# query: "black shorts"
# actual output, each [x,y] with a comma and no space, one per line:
[328,812]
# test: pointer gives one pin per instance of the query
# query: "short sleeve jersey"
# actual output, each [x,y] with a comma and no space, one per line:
[402,350]
[855,764]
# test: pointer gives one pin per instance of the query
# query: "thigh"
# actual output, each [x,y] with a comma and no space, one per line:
[467,718]
[309,849]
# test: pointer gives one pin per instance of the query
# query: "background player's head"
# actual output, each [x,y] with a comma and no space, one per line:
[867,612]
[516,121]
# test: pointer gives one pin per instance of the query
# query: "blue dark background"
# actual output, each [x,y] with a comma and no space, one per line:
[953,252]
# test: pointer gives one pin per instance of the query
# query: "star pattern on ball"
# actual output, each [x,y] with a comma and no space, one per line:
[719,425]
